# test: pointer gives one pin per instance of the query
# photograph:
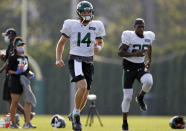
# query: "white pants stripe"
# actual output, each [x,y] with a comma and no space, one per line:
[78,68]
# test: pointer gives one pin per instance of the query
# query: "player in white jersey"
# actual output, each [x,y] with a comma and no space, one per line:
[86,38]
[135,46]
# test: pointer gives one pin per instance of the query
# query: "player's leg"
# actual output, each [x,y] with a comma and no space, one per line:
[127,82]
[88,71]
[126,106]
[76,71]
[82,87]
[147,82]
[79,96]
[84,101]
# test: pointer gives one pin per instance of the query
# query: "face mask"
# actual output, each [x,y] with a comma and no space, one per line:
[20,49]
[6,39]
[86,18]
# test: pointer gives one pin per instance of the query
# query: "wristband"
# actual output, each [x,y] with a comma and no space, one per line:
[57,62]
[99,47]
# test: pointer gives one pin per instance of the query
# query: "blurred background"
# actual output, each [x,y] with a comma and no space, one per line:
[44,20]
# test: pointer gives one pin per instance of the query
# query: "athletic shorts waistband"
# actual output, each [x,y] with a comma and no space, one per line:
[81,58]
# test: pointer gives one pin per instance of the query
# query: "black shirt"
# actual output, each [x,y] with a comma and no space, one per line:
[9,52]
[15,62]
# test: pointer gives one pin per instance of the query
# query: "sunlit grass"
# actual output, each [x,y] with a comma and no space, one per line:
[110,123]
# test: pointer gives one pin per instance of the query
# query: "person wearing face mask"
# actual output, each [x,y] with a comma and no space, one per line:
[9,36]
[17,67]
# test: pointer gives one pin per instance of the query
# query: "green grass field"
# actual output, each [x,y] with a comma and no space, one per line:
[110,123]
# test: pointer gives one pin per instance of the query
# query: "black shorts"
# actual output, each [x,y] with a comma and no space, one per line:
[15,85]
[6,88]
[131,72]
[80,70]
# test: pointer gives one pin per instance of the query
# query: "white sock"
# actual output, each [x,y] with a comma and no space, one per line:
[76,111]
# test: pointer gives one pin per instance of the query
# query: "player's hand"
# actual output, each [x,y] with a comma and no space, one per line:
[138,53]
[148,64]
[59,63]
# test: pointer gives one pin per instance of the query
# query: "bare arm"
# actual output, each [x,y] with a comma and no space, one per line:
[11,72]
[98,45]
[4,67]
[59,50]
[123,52]
[30,73]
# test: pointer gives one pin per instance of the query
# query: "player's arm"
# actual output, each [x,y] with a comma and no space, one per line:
[98,44]
[123,52]
[149,52]
[59,50]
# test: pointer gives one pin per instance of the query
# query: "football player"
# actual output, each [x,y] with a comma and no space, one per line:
[86,38]
[135,46]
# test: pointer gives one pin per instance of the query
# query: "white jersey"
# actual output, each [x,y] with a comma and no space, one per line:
[82,38]
[136,43]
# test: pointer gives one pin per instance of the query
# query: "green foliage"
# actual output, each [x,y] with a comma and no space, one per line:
[168,49]
[170,21]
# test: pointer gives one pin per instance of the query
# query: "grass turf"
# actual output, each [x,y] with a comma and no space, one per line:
[110,123]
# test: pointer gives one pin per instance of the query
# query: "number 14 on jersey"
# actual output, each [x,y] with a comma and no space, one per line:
[85,40]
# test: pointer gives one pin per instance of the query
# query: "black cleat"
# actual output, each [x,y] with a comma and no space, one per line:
[76,124]
[125,126]
[139,100]
[70,117]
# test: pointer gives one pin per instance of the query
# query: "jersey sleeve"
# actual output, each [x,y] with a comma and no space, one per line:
[66,30]
[125,38]
[101,29]
[151,36]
